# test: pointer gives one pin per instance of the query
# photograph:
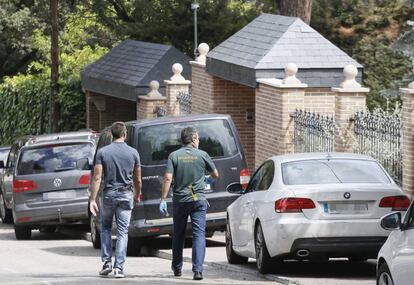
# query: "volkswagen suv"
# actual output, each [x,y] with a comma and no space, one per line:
[48,176]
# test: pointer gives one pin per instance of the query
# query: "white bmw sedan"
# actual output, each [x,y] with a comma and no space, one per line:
[311,206]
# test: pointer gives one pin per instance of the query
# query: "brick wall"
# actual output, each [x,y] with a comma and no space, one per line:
[347,104]
[320,100]
[115,110]
[92,114]
[408,141]
[211,94]
[147,106]
[274,126]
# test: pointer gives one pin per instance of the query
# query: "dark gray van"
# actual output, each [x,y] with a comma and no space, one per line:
[49,178]
[155,139]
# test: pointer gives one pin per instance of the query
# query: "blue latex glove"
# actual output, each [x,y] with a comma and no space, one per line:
[163,208]
[208,179]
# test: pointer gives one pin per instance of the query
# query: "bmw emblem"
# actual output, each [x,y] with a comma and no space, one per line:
[347,195]
[57,182]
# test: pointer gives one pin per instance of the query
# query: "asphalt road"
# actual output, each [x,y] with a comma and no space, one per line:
[66,258]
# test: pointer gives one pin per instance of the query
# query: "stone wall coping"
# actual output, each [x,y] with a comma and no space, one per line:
[407,91]
[278,83]
[181,82]
[350,90]
[196,63]
[152,98]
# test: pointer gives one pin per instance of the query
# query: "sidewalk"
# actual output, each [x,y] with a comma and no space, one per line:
[216,258]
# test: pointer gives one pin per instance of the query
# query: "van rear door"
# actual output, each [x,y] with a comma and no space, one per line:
[218,138]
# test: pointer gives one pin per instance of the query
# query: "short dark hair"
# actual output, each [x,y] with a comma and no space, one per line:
[118,129]
[187,135]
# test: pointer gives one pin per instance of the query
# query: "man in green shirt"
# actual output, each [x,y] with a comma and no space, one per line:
[188,166]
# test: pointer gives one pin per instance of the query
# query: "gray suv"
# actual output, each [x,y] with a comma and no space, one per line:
[49,178]
[5,211]
[155,139]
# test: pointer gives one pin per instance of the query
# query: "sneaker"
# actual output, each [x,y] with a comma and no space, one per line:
[119,273]
[198,275]
[106,268]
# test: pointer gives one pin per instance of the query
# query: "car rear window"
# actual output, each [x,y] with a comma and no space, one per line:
[155,143]
[53,158]
[332,171]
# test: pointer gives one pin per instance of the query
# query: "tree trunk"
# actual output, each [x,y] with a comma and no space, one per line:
[296,8]
[54,70]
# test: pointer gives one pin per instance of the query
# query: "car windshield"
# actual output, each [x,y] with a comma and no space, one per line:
[54,158]
[155,143]
[3,154]
[332,171]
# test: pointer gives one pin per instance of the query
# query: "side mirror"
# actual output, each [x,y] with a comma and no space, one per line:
[235,188]
[1,164]
[83,164]
[391,222]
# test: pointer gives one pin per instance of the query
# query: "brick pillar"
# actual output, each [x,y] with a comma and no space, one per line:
[350,98]
[275,100]
[146,105]
[92,114]
[408,138]
[176,85]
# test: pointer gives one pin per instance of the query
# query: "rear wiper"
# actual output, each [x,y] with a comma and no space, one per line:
[64,169]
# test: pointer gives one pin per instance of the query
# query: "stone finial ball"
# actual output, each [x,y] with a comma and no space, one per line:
[291,69]
[203,48]
[154,85]
[177,68]
[350,71]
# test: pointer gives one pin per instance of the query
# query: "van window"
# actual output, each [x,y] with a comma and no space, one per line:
[53,158]
[155,143]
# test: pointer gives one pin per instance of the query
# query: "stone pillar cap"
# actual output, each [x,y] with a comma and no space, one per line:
[177,78]
[203,49]
[154,86]
[350,85]
[291,70]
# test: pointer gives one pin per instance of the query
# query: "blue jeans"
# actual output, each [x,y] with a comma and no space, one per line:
[197,212]
[119,203]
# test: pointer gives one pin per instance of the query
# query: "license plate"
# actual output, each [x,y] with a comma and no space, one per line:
[59,195]
[355,207]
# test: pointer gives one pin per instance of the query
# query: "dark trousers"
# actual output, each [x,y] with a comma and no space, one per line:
[197,212]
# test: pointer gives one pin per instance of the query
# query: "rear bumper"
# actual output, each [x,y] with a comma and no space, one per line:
[337,238]
[64,213]
[367,247]
[143,228]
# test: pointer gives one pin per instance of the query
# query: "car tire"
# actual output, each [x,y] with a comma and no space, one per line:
[134,246]
[232,257]
[264,262]
[22,232]
[384,276]
[5,214]
[95,233]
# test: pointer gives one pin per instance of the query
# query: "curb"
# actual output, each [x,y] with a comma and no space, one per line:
[232,268]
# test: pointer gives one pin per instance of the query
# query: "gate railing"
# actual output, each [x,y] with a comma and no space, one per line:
[313,132]
[185,102]
[379,135]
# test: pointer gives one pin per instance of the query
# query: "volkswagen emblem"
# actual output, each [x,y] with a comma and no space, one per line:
[57,182]
[347,195]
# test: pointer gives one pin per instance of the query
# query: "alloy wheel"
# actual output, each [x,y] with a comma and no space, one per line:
[385,279]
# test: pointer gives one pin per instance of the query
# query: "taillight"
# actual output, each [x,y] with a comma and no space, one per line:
[23,185]
[244,177]
[293,205]
[397,203]
[85,179]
